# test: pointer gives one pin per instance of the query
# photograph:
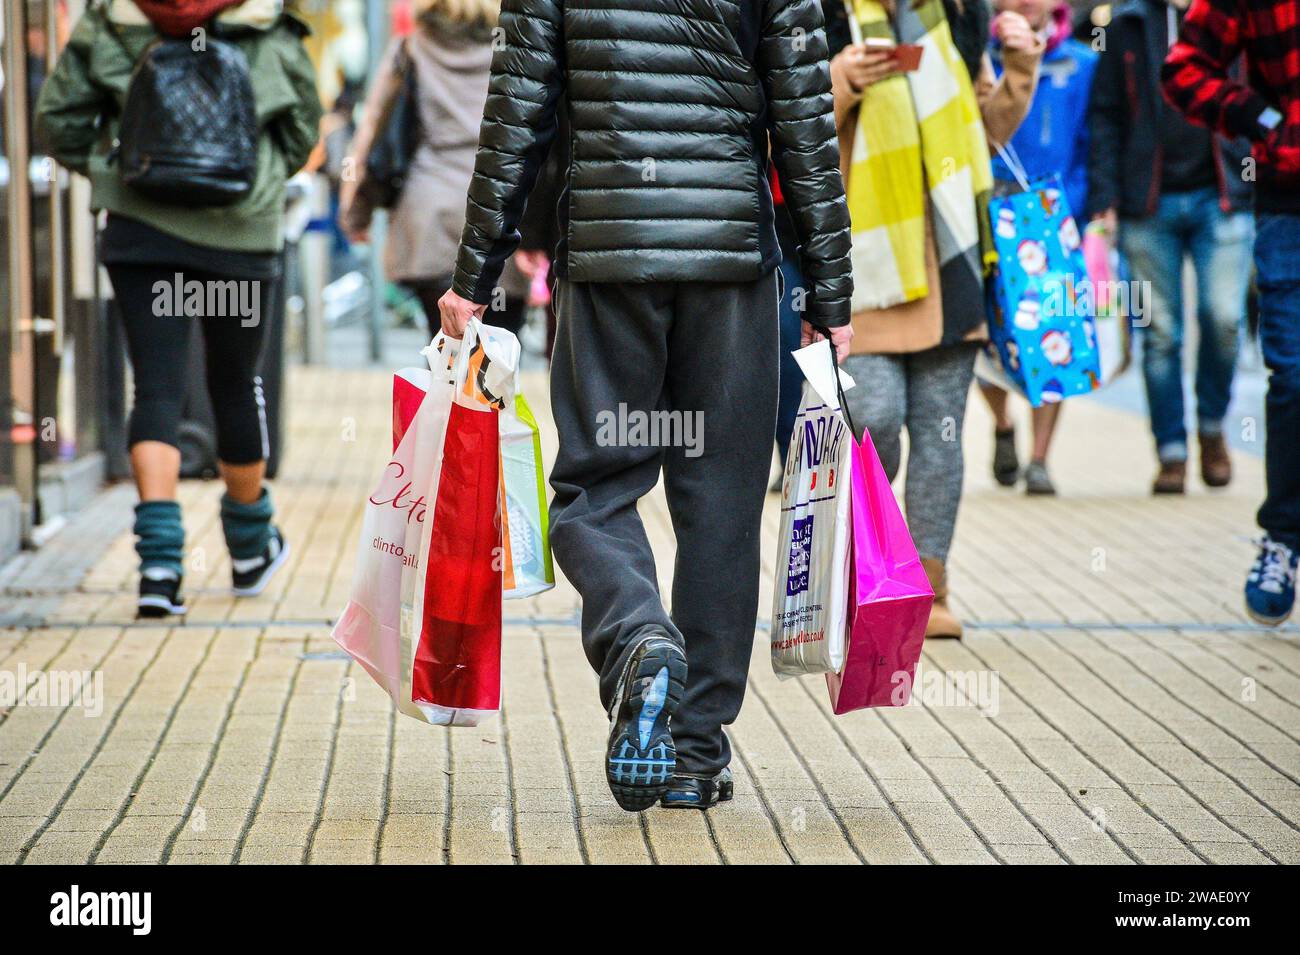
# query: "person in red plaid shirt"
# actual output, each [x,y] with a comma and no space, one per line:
[1265,109]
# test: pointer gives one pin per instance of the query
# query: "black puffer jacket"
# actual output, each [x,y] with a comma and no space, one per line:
[670,103]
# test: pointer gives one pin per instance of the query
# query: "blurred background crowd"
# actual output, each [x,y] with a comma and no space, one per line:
[1071,89]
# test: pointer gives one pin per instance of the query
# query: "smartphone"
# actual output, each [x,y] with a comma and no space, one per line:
[908,56]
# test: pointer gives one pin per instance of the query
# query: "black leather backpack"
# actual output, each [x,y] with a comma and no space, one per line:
[188,134]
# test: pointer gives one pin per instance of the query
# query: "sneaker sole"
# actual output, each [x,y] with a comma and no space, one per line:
[1007,478]
[685,800]
[252,590]
[641,756]
[1267,621]
[158,606]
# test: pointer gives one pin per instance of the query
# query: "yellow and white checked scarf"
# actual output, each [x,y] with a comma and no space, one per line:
[915,129]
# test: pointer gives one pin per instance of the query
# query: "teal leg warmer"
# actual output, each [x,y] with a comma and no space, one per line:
[159,536]
[247,526]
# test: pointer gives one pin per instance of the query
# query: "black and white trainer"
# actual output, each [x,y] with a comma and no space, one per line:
[700,792]
[251,575]
[160,593]
[641,757]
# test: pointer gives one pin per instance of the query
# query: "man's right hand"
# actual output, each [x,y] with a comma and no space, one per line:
[456,313]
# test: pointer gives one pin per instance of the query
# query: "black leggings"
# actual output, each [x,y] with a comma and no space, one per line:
[157,318]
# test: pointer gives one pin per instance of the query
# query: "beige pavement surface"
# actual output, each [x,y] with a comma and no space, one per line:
[1111,703]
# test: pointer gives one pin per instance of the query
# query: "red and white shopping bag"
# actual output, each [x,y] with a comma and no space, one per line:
[425,615]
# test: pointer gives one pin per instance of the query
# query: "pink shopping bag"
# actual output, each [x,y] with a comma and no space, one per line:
[889,595]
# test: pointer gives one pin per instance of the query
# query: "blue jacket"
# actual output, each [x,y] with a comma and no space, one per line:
[1054,136]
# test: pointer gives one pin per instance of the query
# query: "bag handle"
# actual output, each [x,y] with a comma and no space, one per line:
[1009,156]
[402,67]
[855,28]
[839,385]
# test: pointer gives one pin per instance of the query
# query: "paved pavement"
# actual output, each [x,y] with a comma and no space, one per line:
[1111,703]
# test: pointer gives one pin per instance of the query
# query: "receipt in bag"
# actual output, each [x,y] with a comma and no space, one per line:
[811,602]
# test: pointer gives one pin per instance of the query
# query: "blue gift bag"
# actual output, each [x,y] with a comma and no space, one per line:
[1040,304]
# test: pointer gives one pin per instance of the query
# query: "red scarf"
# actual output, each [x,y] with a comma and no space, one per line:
[181,17]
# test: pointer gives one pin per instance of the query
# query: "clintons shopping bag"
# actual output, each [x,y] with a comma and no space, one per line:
[425,615]
[526,566]
[889,594]
[810,603]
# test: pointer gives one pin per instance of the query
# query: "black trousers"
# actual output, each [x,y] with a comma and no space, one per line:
[678,377]
[157,311]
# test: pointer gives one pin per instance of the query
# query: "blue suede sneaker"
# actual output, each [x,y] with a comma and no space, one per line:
[641,757]
[1270,588]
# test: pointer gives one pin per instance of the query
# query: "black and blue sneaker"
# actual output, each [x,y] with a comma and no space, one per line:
[250,576]
[641,757]
[1270,587]
[699,792]
[160,593]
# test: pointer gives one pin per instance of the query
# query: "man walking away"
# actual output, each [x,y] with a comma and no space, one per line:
[1176,190]
[667,350]
[1266,110]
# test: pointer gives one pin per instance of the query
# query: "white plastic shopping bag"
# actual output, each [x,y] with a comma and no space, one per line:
[810,604]
[424,619]
[526,560]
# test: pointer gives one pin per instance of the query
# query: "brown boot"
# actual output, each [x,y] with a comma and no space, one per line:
[1216,464]
[1172,478]
[943,622]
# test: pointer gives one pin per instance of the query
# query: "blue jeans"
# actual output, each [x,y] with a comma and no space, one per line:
[787,408]
[1277,264]
[1189,223]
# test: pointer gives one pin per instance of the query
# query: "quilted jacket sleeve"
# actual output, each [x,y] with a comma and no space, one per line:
[518,125]
[792,60]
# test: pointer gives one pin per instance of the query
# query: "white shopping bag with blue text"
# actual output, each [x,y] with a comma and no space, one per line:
[810,603]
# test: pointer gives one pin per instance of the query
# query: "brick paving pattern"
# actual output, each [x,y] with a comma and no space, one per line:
[1110,704]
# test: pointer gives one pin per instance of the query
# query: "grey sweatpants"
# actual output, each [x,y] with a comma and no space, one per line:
[926,393]
[707,355]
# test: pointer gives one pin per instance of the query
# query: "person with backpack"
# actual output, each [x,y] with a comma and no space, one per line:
[188,116]
[442,66]
[667,302]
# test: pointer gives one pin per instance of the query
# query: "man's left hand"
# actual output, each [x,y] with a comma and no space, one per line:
[841,338]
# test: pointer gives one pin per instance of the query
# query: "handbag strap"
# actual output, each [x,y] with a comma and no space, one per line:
[1007,153]
[855,28]
[839,385]
[403,67]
